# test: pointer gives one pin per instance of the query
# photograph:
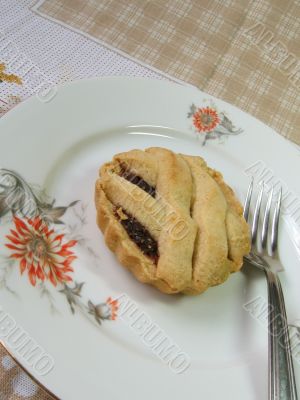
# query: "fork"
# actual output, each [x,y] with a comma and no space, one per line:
[282,384]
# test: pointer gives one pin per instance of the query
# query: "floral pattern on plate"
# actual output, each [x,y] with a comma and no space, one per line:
[41,249]
[210,124]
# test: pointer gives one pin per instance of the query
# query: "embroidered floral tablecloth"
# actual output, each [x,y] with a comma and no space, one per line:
[247,53]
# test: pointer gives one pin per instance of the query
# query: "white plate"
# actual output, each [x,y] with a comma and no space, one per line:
[57,147]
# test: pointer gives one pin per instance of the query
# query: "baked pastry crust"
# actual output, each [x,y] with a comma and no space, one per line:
[182,205]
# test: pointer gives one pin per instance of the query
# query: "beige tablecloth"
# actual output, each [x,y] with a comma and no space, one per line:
[245,52]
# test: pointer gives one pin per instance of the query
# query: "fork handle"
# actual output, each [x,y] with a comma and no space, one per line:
[282,384]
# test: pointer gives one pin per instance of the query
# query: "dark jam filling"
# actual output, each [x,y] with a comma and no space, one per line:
[139,235]
[138,181]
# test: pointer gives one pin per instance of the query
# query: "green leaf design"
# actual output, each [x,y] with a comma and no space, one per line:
[192,111]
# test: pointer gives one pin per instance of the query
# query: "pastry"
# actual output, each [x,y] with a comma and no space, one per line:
[171,220]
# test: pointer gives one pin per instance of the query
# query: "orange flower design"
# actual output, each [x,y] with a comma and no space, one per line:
[205,119]
[114,306]
[104,311]
[41,251]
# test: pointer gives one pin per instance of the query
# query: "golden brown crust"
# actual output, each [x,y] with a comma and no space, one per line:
[194,217]
[237,228]
[210,262]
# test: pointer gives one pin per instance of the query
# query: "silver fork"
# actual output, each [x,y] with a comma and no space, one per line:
[282,384]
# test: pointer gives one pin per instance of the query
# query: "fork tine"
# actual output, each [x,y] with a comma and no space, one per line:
[256,213]
[265,226]
[248,200]
[275,223]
